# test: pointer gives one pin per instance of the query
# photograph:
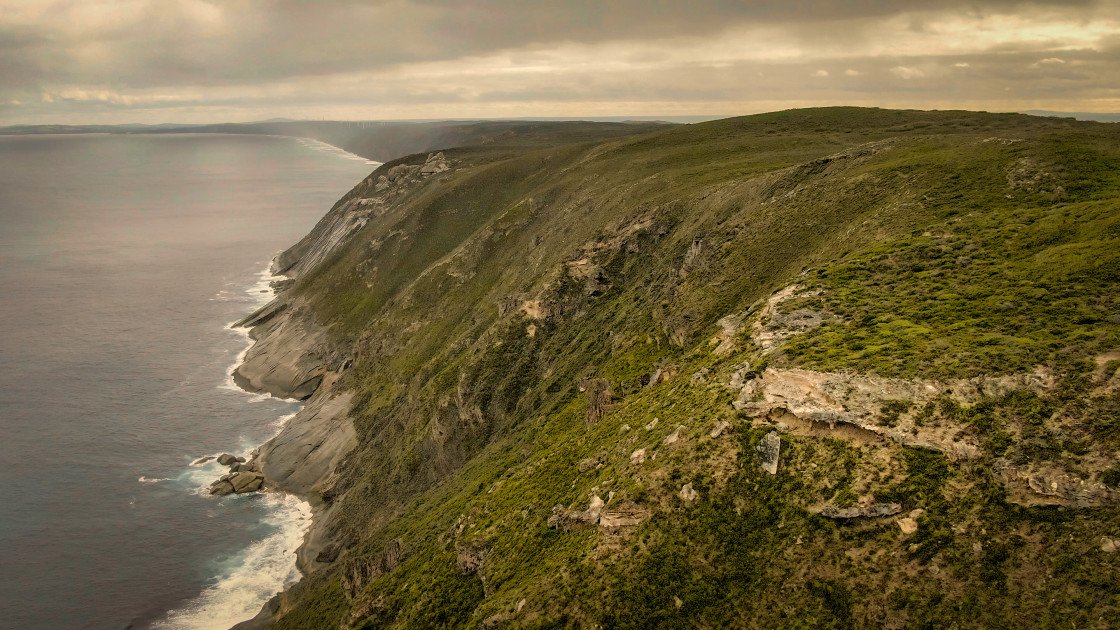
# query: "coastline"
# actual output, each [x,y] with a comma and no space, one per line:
[263,568]
[288,356]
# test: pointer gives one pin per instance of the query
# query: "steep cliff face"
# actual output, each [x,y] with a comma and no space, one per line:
[832,367]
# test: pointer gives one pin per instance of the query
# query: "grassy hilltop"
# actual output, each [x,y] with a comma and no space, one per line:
[581,317]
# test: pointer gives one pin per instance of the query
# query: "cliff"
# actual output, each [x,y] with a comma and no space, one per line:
[836,367]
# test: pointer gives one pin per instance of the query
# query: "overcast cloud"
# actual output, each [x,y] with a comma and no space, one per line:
[84,61]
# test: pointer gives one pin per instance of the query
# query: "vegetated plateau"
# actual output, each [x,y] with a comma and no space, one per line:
[819,368]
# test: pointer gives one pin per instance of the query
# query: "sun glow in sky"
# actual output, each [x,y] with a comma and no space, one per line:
[204,61]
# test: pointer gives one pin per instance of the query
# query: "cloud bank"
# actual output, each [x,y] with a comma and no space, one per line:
[78,61]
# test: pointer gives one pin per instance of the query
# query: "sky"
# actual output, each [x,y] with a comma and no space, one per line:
[192,61]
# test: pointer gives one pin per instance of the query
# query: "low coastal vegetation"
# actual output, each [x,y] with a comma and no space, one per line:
[820,368]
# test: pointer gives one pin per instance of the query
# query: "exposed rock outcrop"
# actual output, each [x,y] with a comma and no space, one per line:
[237,483]
[1040,484]
[876,510]
[289,358]
[768,450]
[360,571]
[857,400]
[310,446]
[564,518]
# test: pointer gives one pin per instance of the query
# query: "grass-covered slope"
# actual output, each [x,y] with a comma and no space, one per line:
[533,329]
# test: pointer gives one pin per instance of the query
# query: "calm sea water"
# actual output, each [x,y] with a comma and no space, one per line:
[122,260]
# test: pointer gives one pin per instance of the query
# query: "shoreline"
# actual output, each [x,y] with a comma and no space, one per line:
[349,155]
[299,459]
[237,593]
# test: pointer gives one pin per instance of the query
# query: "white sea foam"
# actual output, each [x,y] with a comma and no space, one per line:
[144,479]
[259,294]
[319,145]
[247,580]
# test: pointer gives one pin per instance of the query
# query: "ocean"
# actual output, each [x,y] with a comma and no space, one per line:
[123,259]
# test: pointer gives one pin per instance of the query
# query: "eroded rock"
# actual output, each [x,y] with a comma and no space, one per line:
[625,514]
[675,436]
[360,571]
[436,163]
[687,494]
[720,429]
[768,451]
[857,400]
[470,559]
[564,518]
[875,510]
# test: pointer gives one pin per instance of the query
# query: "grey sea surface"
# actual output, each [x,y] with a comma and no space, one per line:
[123,258]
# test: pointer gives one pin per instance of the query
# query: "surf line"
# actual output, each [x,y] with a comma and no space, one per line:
[247,580]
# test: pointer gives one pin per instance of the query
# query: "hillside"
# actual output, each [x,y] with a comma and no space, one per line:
[819,368]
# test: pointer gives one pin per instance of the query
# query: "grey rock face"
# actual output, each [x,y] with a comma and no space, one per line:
[563,518]
[308,448]
[287,359]
[359,571]
[768,451]
[469,559]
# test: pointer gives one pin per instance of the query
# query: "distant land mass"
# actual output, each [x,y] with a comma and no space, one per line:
[1099,117]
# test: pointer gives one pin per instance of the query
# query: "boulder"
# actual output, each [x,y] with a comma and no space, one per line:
[720,429]
[594,510]
[225,459]
[221,487]
[638,456]
[688,494]
[398,172]
[907,525]
[588,464]
[768,450]
[246,482]
[675,436]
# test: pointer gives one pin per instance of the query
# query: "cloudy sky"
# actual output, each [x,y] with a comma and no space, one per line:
[117,61]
